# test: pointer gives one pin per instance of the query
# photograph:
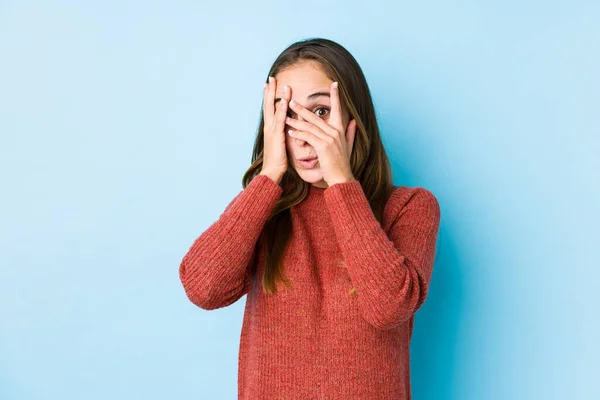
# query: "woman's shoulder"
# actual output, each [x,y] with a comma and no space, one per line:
[404,193]
[404,198]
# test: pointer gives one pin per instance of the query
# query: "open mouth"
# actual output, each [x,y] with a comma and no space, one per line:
[308,162]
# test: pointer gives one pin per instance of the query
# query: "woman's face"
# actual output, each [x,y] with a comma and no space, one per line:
[304,79]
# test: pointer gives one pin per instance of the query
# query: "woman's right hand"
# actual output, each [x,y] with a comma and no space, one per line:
[275,161]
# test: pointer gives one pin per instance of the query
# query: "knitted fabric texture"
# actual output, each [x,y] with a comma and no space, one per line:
[316,340]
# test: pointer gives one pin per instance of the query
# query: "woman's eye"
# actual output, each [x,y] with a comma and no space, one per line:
[323,114]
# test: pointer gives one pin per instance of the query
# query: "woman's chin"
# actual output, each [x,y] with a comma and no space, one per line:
[312,175]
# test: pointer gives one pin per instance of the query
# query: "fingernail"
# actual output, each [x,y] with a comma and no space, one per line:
[335,84]
[292,103]
[290,133]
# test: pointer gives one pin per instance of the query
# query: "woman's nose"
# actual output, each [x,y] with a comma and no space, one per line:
[301,142]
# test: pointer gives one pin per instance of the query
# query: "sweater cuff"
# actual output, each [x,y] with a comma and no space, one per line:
[266,186]
[348,206]
[257,199]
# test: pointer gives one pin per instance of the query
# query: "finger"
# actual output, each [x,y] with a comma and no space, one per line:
[310,117]
[265,101]
[281,112]
[307,127]
[335,119]
[350,134]
[306,136]
[270,99]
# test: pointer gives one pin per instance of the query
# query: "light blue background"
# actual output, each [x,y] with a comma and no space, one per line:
[126,127]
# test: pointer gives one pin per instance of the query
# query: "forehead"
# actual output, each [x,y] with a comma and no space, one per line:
[303,79]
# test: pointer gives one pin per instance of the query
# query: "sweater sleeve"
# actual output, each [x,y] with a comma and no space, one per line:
[391,271]
[216,270]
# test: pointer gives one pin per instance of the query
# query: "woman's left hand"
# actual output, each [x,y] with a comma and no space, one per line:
[331,140]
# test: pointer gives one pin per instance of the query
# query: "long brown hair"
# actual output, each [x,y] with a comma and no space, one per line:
[369,161]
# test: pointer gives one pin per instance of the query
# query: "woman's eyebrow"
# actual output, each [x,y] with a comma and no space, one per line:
[310,96]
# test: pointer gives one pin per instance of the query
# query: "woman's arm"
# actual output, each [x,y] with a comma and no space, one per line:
[216,270]
[391,273]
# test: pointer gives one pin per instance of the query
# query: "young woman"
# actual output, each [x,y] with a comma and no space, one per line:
[334,258]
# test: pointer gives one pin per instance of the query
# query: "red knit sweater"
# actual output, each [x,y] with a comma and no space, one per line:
[316,341]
